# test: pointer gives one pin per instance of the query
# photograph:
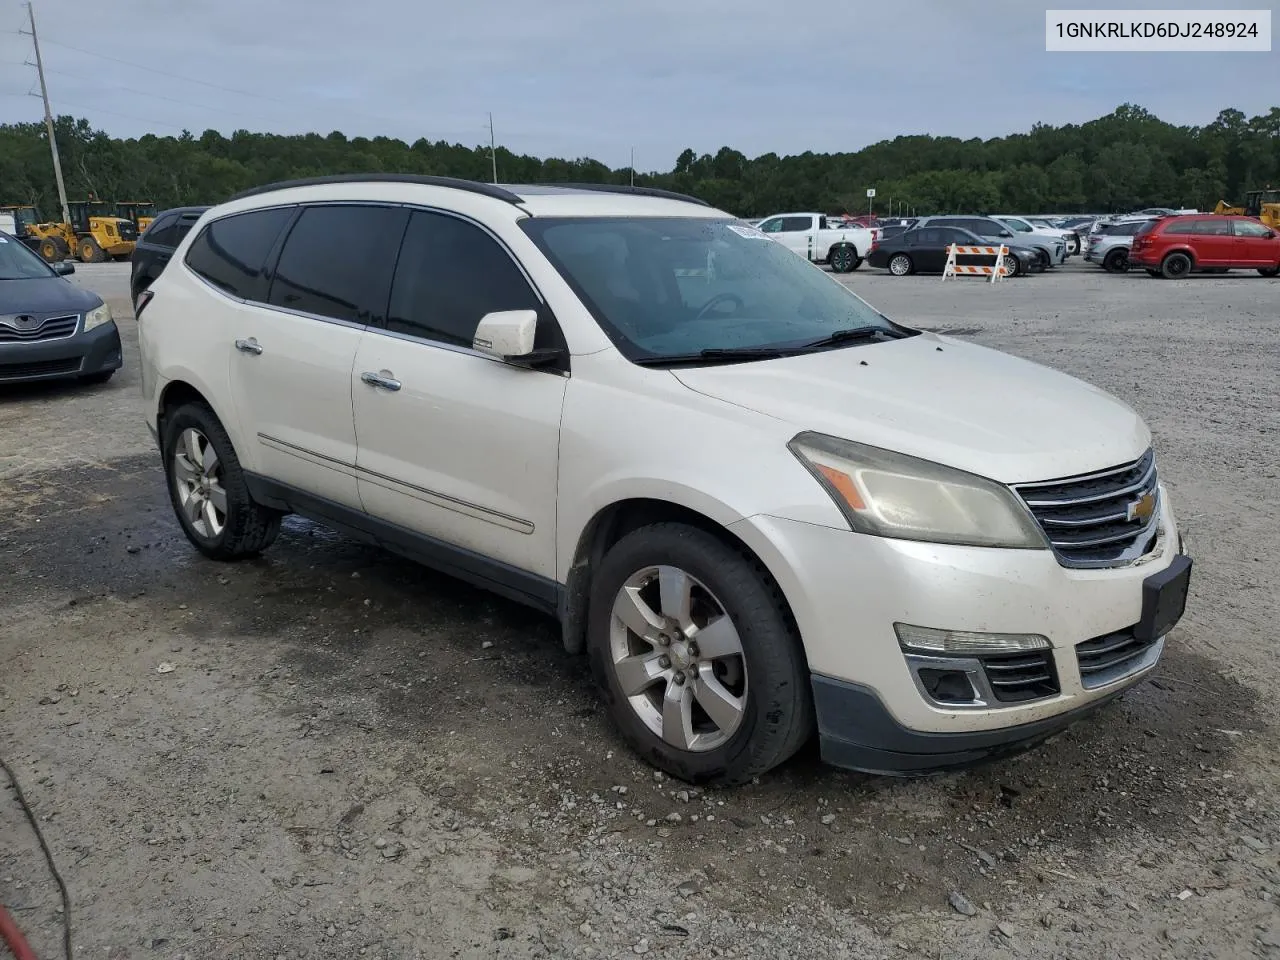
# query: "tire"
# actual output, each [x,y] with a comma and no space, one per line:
[1176,266]
[844,259]
[900,265]
[247,528]
[1045,260]
[1012,266]
[90,252]
[1117,261]
[1269,271]
[102,376]
[50,250]
[761,680]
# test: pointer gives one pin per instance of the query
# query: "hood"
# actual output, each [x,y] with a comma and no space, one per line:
[943,400]
[45,296]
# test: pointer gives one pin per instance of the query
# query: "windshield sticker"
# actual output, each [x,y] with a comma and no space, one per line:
[751,233]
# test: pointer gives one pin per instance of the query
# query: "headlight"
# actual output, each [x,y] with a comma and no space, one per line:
[97,317]
[888,494]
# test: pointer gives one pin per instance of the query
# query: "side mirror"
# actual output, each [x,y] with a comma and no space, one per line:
[63,267]
[508,335]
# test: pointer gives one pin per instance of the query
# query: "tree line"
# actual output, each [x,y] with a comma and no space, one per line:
[1126,160]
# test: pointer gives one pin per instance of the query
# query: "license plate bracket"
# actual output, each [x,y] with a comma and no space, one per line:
[1164,599]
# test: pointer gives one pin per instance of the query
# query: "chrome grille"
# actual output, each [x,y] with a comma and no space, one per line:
[51,328]
[1090,519]
[1019,677]
[1106,659]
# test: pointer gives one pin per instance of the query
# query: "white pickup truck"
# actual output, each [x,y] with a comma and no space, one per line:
[817,240]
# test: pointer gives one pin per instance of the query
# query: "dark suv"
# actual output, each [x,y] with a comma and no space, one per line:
[157,243]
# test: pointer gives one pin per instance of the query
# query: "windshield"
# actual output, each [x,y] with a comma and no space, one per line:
[674,287]
[19,263]
[1016,225]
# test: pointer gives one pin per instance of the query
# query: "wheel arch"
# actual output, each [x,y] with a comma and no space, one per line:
[613,522]
[186,389]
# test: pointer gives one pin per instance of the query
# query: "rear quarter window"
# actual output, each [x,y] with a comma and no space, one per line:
[231,252]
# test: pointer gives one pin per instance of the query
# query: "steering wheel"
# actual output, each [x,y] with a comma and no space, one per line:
[717,299]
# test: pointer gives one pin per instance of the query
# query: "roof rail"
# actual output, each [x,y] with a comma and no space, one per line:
[471,186]
[635,191]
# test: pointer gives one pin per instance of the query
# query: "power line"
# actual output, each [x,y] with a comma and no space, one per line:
[126,116]
[165,73]
[160,96]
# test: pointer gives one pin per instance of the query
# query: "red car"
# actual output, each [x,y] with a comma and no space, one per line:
[1175,246]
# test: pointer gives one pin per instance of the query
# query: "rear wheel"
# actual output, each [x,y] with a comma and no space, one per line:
[900,265]
[1176,266]
[696,657]
[90,252]
[51,250]
[1269,271]
[208,490]
[844,259]
[1117,261]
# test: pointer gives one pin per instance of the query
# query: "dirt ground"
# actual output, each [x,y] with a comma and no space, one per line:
[328,752]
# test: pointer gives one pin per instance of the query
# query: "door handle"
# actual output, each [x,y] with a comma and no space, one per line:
[250,345]
[377,380]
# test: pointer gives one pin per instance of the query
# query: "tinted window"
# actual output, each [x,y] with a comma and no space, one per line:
[796,224]
[450,274]
[337,262]
[183,227]
[771,226]
[231,253]
[1246,229]
[161,230]
[1182,229]
[955,235]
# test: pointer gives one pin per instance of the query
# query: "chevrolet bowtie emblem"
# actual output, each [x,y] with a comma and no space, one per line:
[1142,508]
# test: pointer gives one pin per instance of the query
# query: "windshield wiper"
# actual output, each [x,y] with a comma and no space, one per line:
[718,355]
[850,335]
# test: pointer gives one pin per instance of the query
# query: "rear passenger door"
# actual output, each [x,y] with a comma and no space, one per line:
[294,344]
[1213,243]
[454,445]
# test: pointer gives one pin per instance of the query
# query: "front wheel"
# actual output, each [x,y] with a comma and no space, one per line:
[1012,266]
[696,657]
[1176,266]
[208,490]
[1117,261]
[900,265]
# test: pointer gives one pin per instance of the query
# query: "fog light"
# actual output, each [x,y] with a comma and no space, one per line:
[947,686]
[928,640]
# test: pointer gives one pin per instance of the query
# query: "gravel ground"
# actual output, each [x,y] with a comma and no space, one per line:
[330,753]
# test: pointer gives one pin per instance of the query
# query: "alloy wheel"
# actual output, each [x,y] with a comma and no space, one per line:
[678,659]
[900,266]
[197,480]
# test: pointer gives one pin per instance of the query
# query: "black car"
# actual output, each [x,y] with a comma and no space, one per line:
[50,328]
[157,243]
[924,250]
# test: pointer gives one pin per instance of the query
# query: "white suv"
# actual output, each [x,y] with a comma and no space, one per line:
[758,504]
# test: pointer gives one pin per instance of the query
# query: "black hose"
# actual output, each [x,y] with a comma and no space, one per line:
[48,855]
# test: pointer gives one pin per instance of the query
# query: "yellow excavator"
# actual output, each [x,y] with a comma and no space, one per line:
[45,239]
[1261,204]
[94,233]
[139,212]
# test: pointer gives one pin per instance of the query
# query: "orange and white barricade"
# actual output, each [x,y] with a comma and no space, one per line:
[996,270]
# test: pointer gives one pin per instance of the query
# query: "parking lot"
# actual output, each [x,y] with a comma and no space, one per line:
[328,752]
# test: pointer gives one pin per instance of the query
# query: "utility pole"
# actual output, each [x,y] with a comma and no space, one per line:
[493,149]
[633,166]
[48,118]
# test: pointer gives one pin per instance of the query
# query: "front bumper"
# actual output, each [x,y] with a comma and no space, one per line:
[83,354]
[847,590]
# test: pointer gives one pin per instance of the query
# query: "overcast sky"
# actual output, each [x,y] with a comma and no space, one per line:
[600,77]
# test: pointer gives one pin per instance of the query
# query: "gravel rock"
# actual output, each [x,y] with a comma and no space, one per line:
[961,905]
